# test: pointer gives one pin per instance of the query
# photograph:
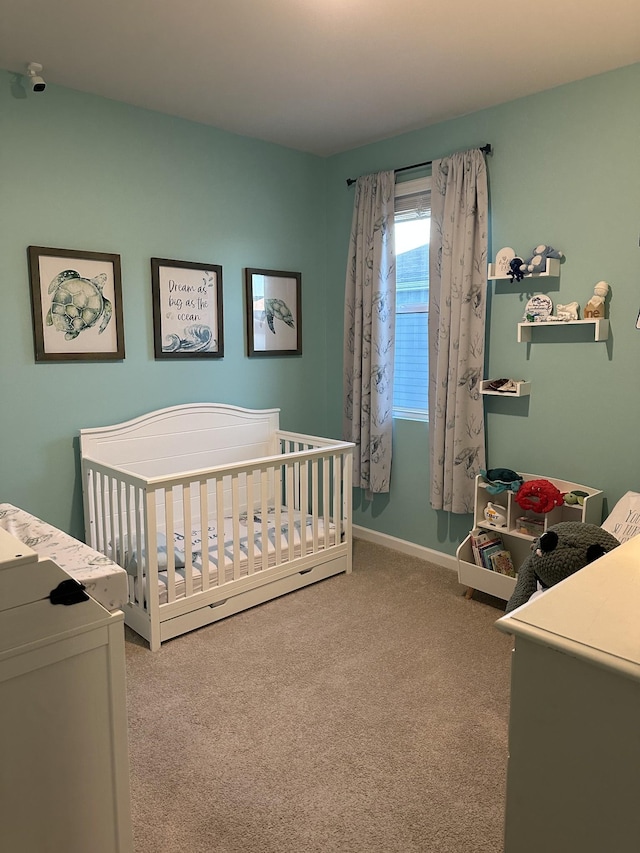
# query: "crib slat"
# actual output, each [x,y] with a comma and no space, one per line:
[118,538]
[126,541]
[347,477]
[151,562]
[140,532]
[170,540]
[296,471]
[291,516]
[251,547]
[92,485]
[326,488]
[336,499]
[277,512]
[222,569]
[114,489]
[235,514]
[103,514]
[188,550]
[315,487]
[264,508]
[204,533]
[106,517]
[304,509]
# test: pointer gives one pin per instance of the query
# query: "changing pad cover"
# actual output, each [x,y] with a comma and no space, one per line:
[104,580]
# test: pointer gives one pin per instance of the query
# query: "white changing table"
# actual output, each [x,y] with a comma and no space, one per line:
[574,731]
[64,774]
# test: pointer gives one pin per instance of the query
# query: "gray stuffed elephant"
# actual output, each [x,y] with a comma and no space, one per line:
[559,552]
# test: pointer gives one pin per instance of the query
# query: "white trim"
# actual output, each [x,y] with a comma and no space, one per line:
[447,561]
[416,185]
[416,308]
[403,414]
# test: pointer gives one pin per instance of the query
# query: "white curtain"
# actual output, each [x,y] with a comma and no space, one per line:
[458,280]
[369,330]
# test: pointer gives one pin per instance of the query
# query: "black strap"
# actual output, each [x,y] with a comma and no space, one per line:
[68,592]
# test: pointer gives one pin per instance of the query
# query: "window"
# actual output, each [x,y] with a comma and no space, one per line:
[412,227]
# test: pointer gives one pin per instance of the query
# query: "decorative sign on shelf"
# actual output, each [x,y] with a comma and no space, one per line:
[503,259]
[538,308]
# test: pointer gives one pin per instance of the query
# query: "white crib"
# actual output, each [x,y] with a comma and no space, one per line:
[212,509]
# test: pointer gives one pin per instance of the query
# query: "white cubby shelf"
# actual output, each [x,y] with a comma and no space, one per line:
[523,389]
[551,270]
[600,328]
[514,540]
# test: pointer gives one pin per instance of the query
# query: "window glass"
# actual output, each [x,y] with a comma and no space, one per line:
[412,229]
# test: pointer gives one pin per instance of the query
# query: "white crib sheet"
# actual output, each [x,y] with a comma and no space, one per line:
[104,580]
[130,559]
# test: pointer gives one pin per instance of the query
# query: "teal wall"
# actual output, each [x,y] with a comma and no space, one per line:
[81,172]
[565,171]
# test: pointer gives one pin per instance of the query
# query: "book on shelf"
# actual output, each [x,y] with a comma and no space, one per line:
[502,563]
[483,543]
[489,552]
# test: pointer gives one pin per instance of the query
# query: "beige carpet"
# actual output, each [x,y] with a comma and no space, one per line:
[364,714]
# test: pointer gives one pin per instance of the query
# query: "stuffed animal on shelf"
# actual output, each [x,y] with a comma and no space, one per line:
[596,307]
[539,496]
[515,269]
[537,262]
[575,497]
[562,550]
[568,311]
[501,480]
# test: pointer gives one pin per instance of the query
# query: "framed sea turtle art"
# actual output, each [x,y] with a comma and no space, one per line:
[187,309]
[76,304]
[273,312]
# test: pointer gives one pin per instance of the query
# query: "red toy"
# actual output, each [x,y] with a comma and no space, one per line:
[539,496]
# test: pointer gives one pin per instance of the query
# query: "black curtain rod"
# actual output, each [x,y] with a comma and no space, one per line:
[485,148]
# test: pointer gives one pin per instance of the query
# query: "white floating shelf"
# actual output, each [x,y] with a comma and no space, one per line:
[523,390]
[600,328]
[552,270]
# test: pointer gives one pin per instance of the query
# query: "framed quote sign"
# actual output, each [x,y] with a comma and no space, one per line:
[187,309]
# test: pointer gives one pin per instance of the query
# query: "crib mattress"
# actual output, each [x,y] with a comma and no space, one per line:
[260,561]
[104,580]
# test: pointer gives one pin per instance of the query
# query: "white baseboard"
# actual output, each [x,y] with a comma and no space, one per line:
[420,551]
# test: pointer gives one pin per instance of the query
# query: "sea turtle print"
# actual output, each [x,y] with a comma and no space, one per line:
[77,303]
[279,310]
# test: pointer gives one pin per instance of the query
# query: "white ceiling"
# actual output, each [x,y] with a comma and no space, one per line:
[317,76]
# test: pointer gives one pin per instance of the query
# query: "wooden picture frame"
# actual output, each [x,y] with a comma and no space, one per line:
[273,312]
[187,309]
[76,305]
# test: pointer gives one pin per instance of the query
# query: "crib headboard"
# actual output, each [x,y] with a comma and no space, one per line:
[188,437]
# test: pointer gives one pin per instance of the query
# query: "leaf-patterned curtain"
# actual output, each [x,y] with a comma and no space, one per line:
[458,280]
[369,328]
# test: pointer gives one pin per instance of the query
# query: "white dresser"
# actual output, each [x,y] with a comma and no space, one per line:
[64,774]
[573,780]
